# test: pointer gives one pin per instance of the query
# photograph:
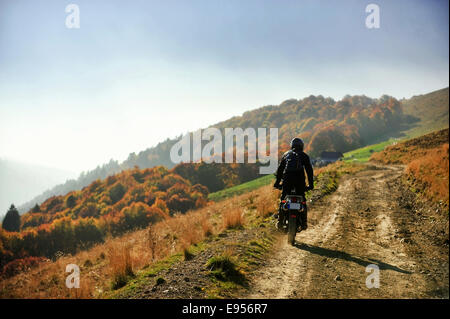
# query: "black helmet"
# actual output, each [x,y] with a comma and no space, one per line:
[297,143]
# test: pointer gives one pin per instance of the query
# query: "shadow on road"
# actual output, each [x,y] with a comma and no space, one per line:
[345,256]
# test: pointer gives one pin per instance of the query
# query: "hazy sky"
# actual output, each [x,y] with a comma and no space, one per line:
[137,72]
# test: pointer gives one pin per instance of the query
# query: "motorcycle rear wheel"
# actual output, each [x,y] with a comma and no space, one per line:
[292,229]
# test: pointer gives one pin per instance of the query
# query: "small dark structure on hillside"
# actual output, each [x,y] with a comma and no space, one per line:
[331,156]
[327,158]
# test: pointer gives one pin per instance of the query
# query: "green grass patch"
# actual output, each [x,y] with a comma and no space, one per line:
[156,268]
[241,188]
[254,251]
[143,277]
[362,155]
[121,279]
[330,182]
[229,272]
[191,251]
[224,268]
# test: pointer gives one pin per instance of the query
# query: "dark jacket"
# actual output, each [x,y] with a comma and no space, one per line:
[299,177]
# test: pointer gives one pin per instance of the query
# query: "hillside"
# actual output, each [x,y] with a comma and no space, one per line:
[360,215]
[431,109]
[126,259]
[314,115]
[126,201]
[325,124]
[427,163]
[372,221]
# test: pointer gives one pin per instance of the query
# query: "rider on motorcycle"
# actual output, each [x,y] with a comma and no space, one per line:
[292,171]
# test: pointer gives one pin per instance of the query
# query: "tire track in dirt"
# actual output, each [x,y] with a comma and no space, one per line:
[290,265]
[347,231]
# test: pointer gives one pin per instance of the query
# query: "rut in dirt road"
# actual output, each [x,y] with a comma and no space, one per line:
[348,231]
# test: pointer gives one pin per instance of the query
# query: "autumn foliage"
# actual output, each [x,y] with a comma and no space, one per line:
[431,173]
[18,265]
[427,163]
[123,202]
[324,123]
[136,198]
[217,176]
[117,260]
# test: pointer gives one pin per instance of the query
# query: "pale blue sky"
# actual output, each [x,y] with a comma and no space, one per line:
[137,72]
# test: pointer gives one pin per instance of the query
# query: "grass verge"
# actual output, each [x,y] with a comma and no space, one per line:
[242,188]
[362,155]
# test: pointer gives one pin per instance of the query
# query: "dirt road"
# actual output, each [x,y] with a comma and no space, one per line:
[361,224]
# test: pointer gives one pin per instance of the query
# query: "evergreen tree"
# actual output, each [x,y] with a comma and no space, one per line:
[36,209]
[11,222]
[71,201]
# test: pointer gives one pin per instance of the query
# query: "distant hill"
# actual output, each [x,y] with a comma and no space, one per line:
[431,109]
[325,124]
[20,181]
[83,180]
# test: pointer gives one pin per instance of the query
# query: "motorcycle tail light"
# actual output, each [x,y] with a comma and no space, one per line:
[294,200]
[283,201]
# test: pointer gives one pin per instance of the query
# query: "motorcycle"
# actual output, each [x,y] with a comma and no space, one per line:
[291,221]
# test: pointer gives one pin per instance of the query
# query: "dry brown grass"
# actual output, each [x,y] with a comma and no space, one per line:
[152,237]
[266,202]
[126,254]
[84,292]
[427,163]
[406,152]
[120,265]
[233,218]
[206,227]
[430,172]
